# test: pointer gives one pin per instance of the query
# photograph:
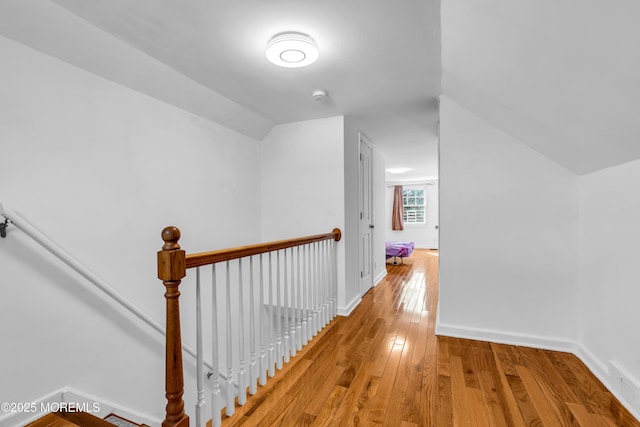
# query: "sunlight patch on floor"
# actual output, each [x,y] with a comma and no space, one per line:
[412,298]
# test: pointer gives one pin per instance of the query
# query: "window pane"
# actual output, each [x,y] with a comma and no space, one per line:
[414,205]
[414,215]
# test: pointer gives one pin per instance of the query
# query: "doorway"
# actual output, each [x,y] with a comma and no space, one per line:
[365,205]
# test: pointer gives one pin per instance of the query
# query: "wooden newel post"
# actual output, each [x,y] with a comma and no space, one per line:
[171,270]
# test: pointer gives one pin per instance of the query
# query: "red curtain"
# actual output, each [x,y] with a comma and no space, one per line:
[398,209]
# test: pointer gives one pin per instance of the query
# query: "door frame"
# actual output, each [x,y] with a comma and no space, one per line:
[362,139]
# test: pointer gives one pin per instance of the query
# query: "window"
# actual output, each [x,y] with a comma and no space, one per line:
[413,204]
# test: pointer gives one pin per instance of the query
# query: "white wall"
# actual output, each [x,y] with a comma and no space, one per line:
[424,235]
[310,186]
[101,170]
[302,178]
[609,274]
[379,217]
[303,183]
[508,237]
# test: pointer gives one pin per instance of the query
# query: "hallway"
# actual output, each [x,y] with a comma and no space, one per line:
[383,365]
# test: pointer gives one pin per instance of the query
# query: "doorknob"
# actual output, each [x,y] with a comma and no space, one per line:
[371,226]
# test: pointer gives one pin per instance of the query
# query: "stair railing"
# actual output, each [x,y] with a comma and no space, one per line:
[11,217]
[19,222]
[283,294]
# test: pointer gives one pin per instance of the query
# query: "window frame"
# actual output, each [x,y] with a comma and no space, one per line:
[414,207]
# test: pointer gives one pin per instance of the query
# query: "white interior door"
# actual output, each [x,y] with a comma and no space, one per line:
[365,193]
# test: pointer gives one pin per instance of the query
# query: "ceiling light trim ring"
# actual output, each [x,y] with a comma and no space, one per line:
[292,50]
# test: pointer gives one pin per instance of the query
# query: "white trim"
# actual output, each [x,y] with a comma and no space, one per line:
[416,224]
[424,246]
[599,369]
[107,408]
[379,278]
[69,395]
[596,366]
[345,311]
[17,419]
[363,139]
[501,337]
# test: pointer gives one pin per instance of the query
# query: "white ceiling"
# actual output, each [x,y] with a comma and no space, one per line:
[563,76]
[559,75]
[379,61]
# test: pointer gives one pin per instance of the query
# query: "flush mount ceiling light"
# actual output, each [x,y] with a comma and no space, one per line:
[292,50]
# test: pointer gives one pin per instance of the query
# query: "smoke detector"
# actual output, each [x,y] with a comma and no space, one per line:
[319,95]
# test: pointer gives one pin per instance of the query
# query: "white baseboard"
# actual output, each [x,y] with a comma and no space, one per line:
[599,369]
[595,365]
[426,246]
[36,409]
[345,311]
[107,408]
[33,410]
[547,343]
[381,276]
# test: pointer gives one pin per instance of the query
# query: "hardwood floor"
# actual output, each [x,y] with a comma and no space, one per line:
[383,365]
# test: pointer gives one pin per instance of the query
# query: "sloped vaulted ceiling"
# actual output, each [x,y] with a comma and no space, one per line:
[379,62]
[562,76]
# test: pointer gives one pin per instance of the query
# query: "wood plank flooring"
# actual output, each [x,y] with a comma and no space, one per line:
[384,366]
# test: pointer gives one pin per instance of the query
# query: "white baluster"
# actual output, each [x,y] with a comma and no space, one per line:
[200,405]
[300,308]
[326,283]
[292,312]
[323,280]
[320,324]
[230,404]
[310,285]
[315,287]
[253,366]
[216,394]
[279,349]
[320,277]
[272,345]
[334,280]
[285,326]
[304,337]
[319,284]
[335,276]
[310,292]
[242,371]
[263,338]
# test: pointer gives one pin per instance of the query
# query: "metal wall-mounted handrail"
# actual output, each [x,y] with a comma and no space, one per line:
[11,217]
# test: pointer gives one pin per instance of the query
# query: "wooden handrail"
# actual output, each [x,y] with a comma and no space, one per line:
[212,257]
[172,268]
